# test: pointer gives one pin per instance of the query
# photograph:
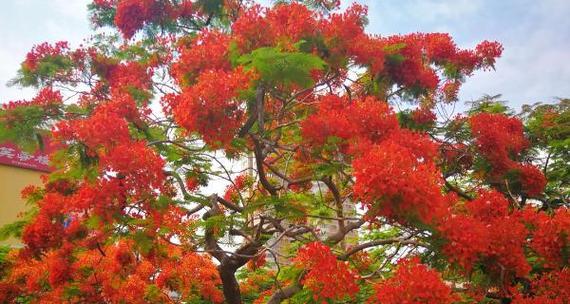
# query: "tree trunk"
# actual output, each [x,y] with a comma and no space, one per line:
[230,285]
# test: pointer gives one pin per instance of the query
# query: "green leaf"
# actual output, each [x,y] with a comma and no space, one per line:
[287,68]
[4,250]
[12,230]
[25,130]
[213,7]
[143,241]
[93,222]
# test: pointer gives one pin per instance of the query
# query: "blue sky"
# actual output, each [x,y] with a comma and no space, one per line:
[536,36]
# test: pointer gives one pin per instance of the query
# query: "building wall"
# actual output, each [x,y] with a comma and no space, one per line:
[12,181]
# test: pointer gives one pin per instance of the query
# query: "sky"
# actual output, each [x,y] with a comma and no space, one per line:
[535,34]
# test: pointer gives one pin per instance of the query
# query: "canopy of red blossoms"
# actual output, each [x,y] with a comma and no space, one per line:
[199,137]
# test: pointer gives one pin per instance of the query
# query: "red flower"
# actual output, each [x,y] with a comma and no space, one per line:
[212,106]
[131,15]
[393,182]
[499,138]
[488,51]
[423,116]
[94,131]
[467,238]
[449,91]
[552,238]
[487,234]
[532,180]
[549,288]
[140,168]
[291,22]
[489,205]
[232,191]
[133,75]
[439,47]
[46,98]
[368,120]
[344,34]
[330,120]
[251,30]
[209,50]
[456,156]
[327,277]
[413,282]
[44,50]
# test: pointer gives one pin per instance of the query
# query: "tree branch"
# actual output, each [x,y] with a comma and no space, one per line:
[283,294]
[459,192]
[375,243]
[258,153]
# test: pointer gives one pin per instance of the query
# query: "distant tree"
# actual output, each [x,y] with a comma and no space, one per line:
[357,192]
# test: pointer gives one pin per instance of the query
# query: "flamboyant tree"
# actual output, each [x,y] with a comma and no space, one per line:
[341,183]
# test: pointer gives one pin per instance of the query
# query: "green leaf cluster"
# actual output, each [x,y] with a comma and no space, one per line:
[278,67]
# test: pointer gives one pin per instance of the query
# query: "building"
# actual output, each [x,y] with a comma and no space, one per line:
[18,169]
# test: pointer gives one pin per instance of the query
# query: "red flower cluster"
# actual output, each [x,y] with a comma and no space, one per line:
[289,23]
[124,77]
[131,15]
[46,230]
[413,282]
[419,144]
[94,131]
[372,119]
[551,240]
[489,234]
[456,157]
[190,271]
[344,38]
[549,288]
[327,277]
[466,239]
[192,184]
[207,51]
[422,50]
[488,52]
[249,31]
[212,106]
[391,181]
[180,272]
[137,165]
[449,90]
[414,70]
[394,168]
[46,98]
[330,120]
[362,121]
[423,116]
[284,24]
[500,140]
[65,210]
[232,191]
[532,179]
[43,51]
[127,274]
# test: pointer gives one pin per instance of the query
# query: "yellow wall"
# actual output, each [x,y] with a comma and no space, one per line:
[12,181]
